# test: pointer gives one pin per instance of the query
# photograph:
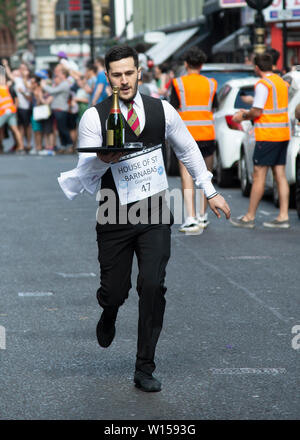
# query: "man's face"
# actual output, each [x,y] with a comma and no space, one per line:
[58,75]
[24,70]
[125,75]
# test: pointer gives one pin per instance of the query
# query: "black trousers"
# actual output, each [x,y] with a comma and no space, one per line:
[61,118]
[151,244]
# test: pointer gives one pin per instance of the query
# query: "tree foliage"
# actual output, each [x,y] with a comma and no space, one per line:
[8,14]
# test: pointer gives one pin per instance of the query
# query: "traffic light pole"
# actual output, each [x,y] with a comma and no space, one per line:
[259,23]
[259,33]
[284,40]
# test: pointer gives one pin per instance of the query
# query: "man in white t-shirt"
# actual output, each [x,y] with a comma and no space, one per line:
[272,133]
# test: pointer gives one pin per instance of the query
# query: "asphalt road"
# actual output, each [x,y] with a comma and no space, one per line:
[226,349]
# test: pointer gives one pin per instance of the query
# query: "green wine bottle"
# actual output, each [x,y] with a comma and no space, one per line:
[115,126]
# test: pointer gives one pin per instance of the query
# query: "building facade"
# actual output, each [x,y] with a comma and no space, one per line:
[7,28]
[77,27]
[170,24]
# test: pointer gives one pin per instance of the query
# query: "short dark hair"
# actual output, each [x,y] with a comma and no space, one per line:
[117,53]
[37,79]
[164,67]
[275,54]
[91,66]
[195,57]
[264,61]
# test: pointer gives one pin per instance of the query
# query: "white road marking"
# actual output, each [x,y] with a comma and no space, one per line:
[35,294]
[76,275]
[249,257]
[264,212]
[232,371]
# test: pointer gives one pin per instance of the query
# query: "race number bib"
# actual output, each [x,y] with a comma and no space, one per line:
[140,176]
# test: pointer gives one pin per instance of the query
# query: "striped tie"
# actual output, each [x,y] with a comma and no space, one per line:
[132,119]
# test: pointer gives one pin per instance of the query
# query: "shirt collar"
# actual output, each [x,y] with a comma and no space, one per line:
[137,101]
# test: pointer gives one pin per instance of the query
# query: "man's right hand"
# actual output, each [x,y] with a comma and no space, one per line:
[238,116]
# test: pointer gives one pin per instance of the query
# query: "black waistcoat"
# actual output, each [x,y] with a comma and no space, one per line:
[152,134]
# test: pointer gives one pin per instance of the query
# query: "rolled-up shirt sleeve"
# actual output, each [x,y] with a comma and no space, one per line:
[186,150]
[87,175]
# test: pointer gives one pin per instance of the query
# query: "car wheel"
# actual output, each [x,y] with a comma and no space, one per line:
[224,176]
[245,183]
[297,186]
[293,196]
[171,161]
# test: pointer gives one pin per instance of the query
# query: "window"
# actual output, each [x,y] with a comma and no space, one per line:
[223,93]
[242,94]
[73,17]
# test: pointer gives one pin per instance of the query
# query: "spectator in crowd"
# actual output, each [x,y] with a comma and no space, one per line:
[86,82]
[36,125]
[66,62]
[8,113]
[194,96]
[161,77]
[82,99]
[102,89]
[275,54]
[269,112]
[147,86]
[43,129]
[73,116]
[24,110]
[60,91]
[143,60]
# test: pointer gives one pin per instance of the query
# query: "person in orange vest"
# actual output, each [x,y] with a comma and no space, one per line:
[194,96]
[8,112]
[272,133]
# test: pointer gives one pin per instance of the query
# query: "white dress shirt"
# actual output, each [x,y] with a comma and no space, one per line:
[90,135]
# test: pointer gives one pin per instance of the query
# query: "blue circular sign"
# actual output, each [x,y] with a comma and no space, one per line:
[123,184]
[160,170]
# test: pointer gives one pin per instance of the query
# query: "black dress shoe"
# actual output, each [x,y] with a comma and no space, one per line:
[146,382]
[106,330]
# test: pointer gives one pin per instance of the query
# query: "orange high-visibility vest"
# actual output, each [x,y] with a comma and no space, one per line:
[6,101]
[273,124]
[196,94]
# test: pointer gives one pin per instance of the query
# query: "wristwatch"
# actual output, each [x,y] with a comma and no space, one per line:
[244,115]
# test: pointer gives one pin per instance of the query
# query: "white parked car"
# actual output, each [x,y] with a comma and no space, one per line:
[230,135]
[297,190]
[245,168]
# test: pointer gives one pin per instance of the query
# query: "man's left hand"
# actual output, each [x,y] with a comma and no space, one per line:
[218,202]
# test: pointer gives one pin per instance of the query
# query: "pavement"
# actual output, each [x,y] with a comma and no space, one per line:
[227,350]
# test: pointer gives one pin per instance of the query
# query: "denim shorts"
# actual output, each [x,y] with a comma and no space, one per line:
[8,118]
[270,153]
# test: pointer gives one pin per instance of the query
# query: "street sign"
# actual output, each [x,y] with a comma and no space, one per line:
[232,3]
[275,11]
[285,14]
